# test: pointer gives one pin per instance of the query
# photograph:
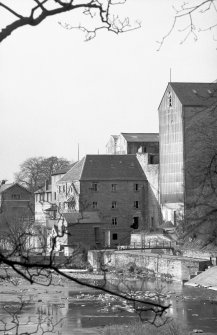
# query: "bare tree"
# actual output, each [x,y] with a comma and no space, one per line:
[40,10]
[186,19]
[201,171]
[36,170]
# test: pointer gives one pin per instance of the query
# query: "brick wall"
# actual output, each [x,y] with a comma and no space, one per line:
[124,197]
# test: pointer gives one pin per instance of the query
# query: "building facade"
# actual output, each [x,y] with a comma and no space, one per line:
[103,198]
[133,143]
[184,112]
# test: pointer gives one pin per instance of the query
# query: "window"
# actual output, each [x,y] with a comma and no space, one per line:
[94,205]
[114,187]
[15,196]
[114,236]
[135,224]
[114,221]
[55,196]
[136,204]
[114,204]
[151,159]
[169,95]
[136,187]
[94,187]
[59,189]
[64,188]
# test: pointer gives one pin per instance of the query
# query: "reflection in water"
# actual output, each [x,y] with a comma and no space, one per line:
[72,310]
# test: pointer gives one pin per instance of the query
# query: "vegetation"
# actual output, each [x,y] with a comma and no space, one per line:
[35,171]
[139,328]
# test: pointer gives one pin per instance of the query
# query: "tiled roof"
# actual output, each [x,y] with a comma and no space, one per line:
[195,94]
[141,137]
[105,167]
[5,187]
[63,170]
[74,173]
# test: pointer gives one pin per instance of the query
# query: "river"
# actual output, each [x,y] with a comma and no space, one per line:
[75,310]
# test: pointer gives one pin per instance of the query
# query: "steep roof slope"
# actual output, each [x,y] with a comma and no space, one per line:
[74,173]
[64,170]
[141,137]
[106,167]
[195,94]
[4,187]
[112,167]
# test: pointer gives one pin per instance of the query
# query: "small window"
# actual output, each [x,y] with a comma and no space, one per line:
[59,189]
[114,236]
[136,187]
[114,187]
[169,99]
[136,204]
[94,205]
[114,204]
[64,188]
[135,224]
[94,187]
[114,221]
[151,159]
[55,196]
[15,196]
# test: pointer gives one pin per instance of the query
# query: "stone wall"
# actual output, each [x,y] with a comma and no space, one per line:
[152,174]
[180,268]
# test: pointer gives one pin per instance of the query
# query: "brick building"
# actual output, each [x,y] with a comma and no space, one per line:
[103,198]
[187,114]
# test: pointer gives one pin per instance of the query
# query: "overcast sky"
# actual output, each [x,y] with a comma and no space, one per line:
[57,91]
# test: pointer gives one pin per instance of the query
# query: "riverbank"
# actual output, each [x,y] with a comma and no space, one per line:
[87,311]
[207,279]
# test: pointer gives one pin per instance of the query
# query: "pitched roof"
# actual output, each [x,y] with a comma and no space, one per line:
[74,173]
[63,170]
[4,187]
[195,94]
[106,167]
[141,137]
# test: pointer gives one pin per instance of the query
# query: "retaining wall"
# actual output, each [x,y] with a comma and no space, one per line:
[180,268]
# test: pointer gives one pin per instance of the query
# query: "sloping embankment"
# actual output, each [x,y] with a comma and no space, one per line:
[207,278]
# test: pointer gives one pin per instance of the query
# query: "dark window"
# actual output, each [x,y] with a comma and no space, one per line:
[114,187]
[169,99]
[94,205]
[136,187]
[136,204]
[114,204]
[135,224]
[114,236]
[114,221]
[55,196]
[151,159]
[59,189]
[94,187]
[96,234]
[152,222]
[15,196]
[64,188]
